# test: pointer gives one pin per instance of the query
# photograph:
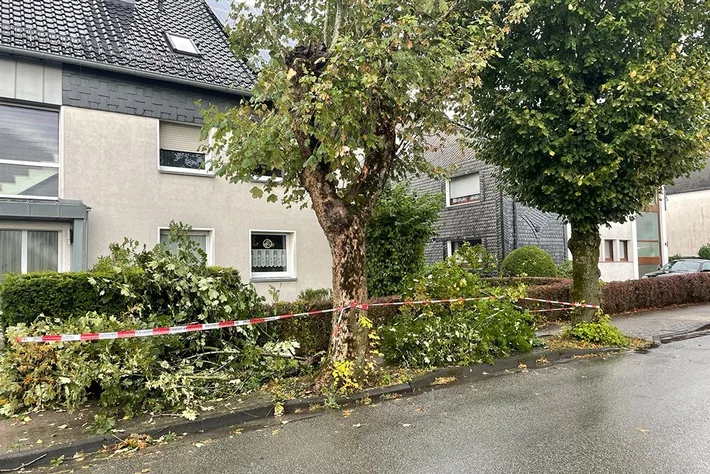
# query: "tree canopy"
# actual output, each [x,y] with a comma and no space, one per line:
[592,105]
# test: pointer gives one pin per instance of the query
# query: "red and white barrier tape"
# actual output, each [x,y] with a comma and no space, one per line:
[96,336]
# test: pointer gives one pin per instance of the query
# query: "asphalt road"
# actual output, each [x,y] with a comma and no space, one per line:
[636,413]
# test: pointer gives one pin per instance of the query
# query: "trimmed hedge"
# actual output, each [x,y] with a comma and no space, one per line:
[23,298]
[527,281]
[313,332]
[58,295]
[529,260]
[634,295]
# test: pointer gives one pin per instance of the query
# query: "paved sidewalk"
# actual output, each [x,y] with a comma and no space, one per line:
[649,324]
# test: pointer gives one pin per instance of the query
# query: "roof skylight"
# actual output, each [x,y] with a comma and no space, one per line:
[182,44]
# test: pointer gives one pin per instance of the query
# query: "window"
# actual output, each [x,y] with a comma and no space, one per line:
[272,255]
[182,44]
[23,251]
[608,250]
[463,189]
[180,149]
[262,174]
[203,237]
[454,245]
[29,152]
[624,250]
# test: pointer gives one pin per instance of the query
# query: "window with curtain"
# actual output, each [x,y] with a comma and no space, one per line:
[23,251]
[270,255]
[180,149]
[29,152]
[463,189]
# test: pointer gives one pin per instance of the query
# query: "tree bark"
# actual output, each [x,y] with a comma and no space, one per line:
[348,338]
[584,245]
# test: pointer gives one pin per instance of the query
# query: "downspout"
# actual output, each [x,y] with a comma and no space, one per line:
[515,224]
[502,227]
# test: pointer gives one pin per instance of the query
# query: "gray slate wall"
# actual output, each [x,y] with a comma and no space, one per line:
[697,181]
[496,220]
[478,220]
[92,89]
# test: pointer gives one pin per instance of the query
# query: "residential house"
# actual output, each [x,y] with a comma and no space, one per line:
[688,210]
[477,211]
[100,139]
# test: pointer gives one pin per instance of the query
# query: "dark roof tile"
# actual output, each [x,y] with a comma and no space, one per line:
[133,37]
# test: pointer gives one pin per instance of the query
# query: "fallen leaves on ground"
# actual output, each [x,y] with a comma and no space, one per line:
[347,413]
[443,380]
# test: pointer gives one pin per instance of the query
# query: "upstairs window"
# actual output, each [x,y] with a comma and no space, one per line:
[608,250]
[182,44]
[180,149]
[463,189]
[29,152]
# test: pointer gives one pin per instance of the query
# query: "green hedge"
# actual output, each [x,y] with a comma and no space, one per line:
[527,281]
[58,295]
[61,295]
[621,297]
[313,332]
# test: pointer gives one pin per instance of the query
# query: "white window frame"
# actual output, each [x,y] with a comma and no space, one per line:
[207,231]
[450,245]
[290,273]
[40,164]
[64,252]
[171,41]
[448,190]
[205,173]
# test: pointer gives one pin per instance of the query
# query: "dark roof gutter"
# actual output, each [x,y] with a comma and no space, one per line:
[121,70]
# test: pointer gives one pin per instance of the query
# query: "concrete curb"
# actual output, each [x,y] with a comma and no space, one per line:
[422,383]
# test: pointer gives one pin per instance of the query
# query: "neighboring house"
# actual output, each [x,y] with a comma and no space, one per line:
[100,139]
[688,209]
[477,211]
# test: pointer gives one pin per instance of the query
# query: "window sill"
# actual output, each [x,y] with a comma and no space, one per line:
[464,204]
[272,279]
[186,172]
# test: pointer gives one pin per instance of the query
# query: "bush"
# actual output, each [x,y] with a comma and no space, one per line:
[564,269]
[527,281]
[462,332]
[397,233]
[704,251]
[57,295]
[633,295]
[155,373]
[529,260]
[600,332]
[315,294]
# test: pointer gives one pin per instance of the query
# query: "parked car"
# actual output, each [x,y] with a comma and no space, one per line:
[679,267]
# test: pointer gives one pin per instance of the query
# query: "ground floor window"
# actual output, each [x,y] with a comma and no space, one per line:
[454,245]
[272,255]
[23,251]
[203,238]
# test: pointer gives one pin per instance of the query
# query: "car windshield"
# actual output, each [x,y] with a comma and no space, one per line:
[682,266]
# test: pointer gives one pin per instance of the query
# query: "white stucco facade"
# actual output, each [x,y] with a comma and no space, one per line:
[688,222]
[110,162]
[617,266]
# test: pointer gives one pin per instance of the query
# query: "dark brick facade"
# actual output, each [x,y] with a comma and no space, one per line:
[110,92]
[496,220]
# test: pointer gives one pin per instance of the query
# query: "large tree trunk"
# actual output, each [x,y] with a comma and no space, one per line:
[584,245]
[349,337]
